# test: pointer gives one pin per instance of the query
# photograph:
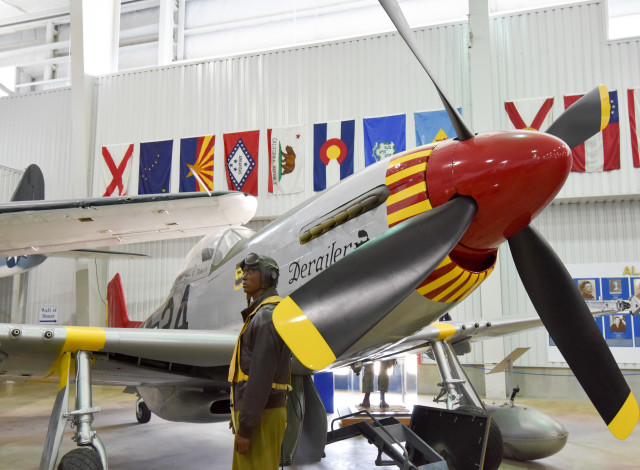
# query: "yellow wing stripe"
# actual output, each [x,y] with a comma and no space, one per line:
[412,170]
[302,337]
[408,212]
[446,330]
[626,419]
[605,106]
[65,366]
[84,338]
[408,192]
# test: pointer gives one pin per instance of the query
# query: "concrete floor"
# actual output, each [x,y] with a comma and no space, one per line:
[25,408]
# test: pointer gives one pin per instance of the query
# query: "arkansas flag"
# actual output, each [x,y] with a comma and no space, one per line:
[241,161]
[196,164]
[633,98]
[286,160]
[531,114]
[333,144]
[383,137]
[116,169]
[602,151]
[155,167]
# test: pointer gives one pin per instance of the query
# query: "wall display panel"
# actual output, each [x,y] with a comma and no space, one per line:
[595,234]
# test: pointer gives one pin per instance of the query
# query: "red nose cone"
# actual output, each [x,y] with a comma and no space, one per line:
[511,175]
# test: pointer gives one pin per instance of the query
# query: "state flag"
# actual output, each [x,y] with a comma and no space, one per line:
[286,159]
[116,169]
[633,100]
[196,164]
[532,113]
[155,167]
[333,148]
[241,161]
[602,151]
[383,137]
[433,126]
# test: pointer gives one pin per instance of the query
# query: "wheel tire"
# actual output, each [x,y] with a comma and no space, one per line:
[495,446]
[143,413]
[82,458]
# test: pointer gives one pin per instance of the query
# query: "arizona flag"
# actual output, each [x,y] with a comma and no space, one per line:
[433,126]
[333,144]
[286,159]
[241,161]
[602,151]
[116,169]
[383,137]
[155,167]
[531,114]
[196,164]
[633,99]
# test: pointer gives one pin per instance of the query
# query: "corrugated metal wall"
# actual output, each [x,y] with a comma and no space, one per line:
[538,53]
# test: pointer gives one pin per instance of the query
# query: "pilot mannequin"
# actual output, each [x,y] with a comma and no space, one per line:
[259,371]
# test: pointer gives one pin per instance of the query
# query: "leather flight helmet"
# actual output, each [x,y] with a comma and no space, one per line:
[269,270]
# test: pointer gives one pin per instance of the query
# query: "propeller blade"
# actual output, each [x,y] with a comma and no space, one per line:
[463,131]
[323,318]
[569,322]
[584,118]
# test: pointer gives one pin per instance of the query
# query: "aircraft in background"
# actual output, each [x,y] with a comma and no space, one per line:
[34,229]
[365,267]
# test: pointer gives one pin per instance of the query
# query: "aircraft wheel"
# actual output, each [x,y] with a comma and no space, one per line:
[143,413]
[82,458]
[495,445]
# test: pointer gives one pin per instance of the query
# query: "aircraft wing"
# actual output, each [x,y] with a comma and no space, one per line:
[41,227]
[126,356]
[457,332]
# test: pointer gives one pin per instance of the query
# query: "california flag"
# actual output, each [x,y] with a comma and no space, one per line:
[286,159]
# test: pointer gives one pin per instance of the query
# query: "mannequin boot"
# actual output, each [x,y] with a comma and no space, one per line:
[365,402]
[383,404]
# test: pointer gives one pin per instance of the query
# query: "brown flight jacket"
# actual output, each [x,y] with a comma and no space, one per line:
[266,360]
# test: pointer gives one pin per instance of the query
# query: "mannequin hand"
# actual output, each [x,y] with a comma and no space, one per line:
[242,444]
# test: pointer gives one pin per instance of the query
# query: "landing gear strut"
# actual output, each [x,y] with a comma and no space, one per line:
[91,454]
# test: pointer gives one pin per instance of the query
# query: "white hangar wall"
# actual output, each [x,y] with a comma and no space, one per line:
[538,53]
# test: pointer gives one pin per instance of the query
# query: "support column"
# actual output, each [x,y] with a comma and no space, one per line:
[95,37]
[165,33]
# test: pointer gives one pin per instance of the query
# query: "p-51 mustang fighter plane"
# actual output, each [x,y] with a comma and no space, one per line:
[364,267]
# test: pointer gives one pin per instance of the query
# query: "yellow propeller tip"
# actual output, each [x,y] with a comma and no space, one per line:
[302,337]
[626,418]
[605,106]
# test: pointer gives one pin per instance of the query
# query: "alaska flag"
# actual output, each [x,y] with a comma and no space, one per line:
[433,126]
[196,156]
[155,167]
[383,137]
[602,151]
[333,144]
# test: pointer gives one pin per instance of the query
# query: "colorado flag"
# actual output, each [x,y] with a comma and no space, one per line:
[602,151]
[433,126]
[333,144]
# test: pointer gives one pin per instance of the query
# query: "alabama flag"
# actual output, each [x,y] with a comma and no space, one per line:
[241,161]
[116,169]
[602,151]
[286,159]
[633,99]
[333,144]
[532,113]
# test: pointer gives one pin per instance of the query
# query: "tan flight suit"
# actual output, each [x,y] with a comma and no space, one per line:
[259,374]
